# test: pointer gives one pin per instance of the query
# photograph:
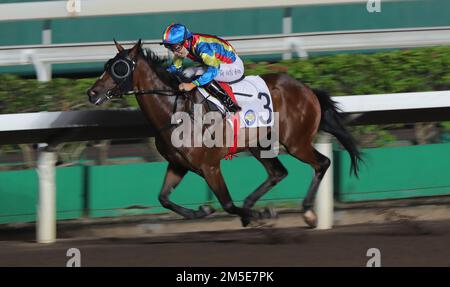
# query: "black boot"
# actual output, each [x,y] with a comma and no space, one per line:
[218,92]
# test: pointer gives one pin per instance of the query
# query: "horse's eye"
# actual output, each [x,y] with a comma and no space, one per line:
[121,69]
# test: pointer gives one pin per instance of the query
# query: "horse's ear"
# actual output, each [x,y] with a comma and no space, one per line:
[136,49]
[118,46]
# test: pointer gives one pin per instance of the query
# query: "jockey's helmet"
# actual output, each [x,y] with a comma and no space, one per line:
[175,34]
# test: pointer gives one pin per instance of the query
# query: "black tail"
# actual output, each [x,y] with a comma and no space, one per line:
[331,122]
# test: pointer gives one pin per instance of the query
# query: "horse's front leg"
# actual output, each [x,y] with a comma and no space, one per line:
[174,175]
[214,178]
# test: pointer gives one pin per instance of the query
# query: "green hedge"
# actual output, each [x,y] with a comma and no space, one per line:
[25,95]
[423,69]
[412,70]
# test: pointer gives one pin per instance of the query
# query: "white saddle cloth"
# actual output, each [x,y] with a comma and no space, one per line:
[253,96]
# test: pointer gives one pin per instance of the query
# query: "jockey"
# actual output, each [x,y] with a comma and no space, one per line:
[218,58]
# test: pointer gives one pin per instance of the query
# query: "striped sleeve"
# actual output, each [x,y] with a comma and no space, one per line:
[207,77]
[213,68]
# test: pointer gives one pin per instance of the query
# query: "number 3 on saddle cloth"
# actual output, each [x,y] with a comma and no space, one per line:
[253,96]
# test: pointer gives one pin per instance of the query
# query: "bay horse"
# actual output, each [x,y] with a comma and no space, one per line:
[302,113]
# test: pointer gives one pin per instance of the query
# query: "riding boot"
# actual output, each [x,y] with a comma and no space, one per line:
[218,92]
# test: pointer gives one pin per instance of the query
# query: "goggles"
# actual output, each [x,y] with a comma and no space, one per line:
[174,47]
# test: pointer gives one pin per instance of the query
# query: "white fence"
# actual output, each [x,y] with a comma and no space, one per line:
[300,43]
[55,127]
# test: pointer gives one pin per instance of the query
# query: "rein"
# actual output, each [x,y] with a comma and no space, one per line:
[123,78]
[167,93]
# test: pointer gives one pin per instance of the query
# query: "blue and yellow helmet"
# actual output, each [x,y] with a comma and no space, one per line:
[175,34]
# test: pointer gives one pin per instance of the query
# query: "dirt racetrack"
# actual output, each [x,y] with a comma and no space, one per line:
[401,243]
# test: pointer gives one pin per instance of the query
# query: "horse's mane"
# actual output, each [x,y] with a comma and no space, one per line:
[159,65]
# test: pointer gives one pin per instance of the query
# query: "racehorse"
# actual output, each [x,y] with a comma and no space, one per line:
[302,113]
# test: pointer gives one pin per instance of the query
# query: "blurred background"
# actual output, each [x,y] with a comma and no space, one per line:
[111,177]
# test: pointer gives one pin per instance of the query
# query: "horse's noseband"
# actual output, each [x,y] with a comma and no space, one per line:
[121,69]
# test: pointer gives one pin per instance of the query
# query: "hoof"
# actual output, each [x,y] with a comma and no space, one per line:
[245,221]
[260,218]
[206,210]
[310,218]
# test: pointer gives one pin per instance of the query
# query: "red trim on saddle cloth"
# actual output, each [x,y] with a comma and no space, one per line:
[235,118]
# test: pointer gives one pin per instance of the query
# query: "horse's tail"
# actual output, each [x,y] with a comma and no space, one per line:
[331,122]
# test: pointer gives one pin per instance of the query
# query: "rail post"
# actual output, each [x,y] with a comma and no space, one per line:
[324,204]
[46,215]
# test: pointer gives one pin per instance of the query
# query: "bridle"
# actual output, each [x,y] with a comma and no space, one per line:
[121,69]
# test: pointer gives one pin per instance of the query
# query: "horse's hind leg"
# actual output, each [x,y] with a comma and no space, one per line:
[320,163]
[173,177]
[276,172]
[214,178]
